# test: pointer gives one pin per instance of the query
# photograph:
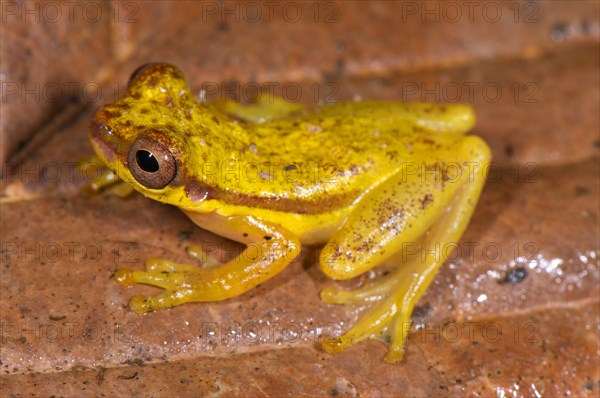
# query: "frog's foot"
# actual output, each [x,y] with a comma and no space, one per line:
[389,316]
[100,178]
[167,275]
[171,276]
[272,249]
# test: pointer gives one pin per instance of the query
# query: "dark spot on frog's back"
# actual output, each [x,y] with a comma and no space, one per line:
[427,199]
[353,169]
[392,155]
[154,78]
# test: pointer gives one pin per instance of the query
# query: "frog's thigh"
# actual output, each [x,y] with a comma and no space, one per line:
[396,213]
[269,249]
[267,107]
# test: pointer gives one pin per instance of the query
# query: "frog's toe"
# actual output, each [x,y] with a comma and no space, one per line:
[363,295]
[333,296]
[380,320]
[335,345]
[124,277]
[100,178]
[168,299]
[169,280]
[338,344]
[159,265]
[178,280]
[394,354]
[140,304]
[390,316]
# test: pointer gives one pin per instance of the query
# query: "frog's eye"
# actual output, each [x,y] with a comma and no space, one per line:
[151,163]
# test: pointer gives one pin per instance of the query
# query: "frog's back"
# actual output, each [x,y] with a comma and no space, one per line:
[323,158]
[349,132]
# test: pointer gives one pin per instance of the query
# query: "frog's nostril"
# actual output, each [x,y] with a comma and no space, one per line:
[146,161]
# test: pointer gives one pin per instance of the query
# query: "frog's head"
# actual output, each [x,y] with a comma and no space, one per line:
[144,136]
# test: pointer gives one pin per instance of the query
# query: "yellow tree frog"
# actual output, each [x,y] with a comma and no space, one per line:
[366,179]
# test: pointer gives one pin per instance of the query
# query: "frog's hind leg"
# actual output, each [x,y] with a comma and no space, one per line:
[266,108]
[384,223]
[269,249]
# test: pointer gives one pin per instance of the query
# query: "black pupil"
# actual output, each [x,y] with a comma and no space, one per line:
[146,161]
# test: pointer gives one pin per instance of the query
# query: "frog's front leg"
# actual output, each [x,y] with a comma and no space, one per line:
[269,249]
[431,207]
[101,178]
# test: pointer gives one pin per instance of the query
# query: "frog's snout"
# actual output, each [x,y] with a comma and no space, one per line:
[99,134]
